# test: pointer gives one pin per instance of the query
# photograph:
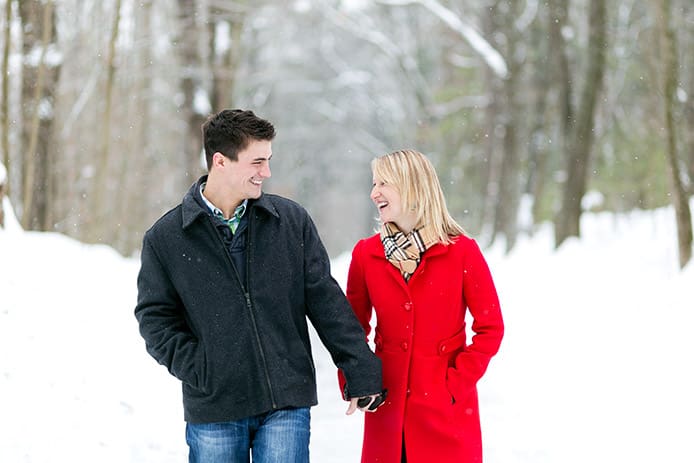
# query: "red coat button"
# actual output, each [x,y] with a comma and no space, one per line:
[404,346]
[408,306]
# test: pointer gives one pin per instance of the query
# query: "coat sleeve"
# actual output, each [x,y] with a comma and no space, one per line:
[482,301]
[357,291]
[358,297]
[161,319]
[335,322]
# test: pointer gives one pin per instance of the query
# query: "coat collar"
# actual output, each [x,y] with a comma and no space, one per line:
[193,206]
[374,247]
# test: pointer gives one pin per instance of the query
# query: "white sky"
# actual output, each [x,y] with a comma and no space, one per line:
[595,366]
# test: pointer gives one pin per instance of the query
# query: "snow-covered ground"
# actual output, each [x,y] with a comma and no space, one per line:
[595,367]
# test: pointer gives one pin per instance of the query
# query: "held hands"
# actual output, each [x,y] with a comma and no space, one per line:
[367,403]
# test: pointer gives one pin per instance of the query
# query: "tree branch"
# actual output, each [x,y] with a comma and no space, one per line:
[478,43]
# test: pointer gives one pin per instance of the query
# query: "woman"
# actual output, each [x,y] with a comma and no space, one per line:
[420,274]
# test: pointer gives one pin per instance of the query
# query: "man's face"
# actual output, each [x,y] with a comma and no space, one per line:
[244,177]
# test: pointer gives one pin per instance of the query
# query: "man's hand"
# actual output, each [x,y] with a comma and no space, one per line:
[367,403]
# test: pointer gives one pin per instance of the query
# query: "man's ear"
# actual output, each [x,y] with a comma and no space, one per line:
[218,159]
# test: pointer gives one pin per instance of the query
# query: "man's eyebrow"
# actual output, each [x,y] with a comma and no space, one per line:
[262,158]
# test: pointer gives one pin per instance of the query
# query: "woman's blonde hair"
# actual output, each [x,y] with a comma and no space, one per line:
[415,179]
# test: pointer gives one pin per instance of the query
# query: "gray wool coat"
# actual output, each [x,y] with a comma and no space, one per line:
[243,349]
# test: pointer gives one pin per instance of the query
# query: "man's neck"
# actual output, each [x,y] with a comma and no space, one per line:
[222,200]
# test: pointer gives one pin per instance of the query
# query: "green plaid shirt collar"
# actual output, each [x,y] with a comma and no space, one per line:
[234,220]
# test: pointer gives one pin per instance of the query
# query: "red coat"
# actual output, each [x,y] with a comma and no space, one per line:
[429,369]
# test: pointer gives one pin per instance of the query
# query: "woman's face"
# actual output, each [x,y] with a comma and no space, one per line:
[389,205]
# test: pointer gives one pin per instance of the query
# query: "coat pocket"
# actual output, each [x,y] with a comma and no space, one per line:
[456,385]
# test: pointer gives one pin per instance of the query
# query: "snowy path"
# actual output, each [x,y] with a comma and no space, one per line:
[595,366]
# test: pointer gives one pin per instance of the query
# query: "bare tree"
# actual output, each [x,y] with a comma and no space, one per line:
[669,69]
[3,187]
[689,131]
[226,26]
[687,64]
[39,79]
[558,22]
[343,81]
[509,191]
[454,152]
[580,137]
[196,103]
[538,150]
[132,169]
[4,99]
[100,229]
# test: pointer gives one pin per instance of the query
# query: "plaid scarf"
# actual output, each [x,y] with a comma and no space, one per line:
[405,251]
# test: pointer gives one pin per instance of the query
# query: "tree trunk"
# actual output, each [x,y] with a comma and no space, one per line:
[133,170]
[689,115]
[506,210]
[506,206]
[581,135]
[689,136]
[100,228]
[538,157]
[489,184]
[558,19]
[3,183]
[679,197]
[192,87]
[224,61]
[39,81]
[4,99]
[538,133]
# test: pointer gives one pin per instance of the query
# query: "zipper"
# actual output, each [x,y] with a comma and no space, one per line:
[249,304]
[260,348]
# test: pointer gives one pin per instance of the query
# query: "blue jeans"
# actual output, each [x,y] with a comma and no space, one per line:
[280,436]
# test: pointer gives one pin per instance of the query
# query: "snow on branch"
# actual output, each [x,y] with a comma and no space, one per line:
[490,55]
[528,15]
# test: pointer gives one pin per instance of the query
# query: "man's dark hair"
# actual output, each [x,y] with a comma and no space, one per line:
[231,130]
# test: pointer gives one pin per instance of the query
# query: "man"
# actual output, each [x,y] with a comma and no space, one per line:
[228,279]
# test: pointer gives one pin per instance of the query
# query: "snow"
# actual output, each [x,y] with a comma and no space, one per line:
[595,365]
